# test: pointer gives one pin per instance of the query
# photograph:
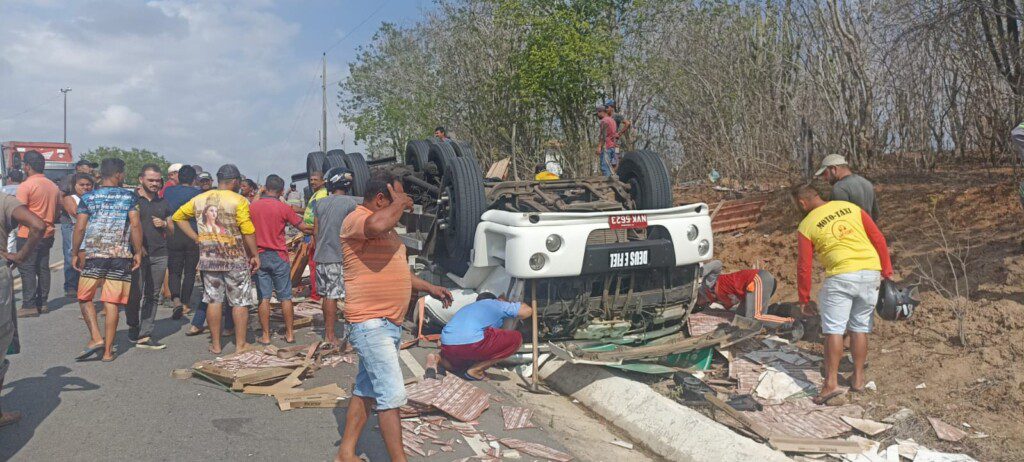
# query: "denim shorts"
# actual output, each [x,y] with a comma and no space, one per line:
[274,275]
[380,375]
[847,302]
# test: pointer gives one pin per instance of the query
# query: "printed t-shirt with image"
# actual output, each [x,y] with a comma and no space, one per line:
[108,234]
[222,217]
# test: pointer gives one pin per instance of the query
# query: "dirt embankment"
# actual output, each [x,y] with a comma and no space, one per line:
[930,220]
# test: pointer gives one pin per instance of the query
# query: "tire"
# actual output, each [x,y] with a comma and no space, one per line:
[463,149]
[465,189]
[335,158]
[315,162]
[306,194]
[648,178]
[360,172]
[417,154]
[441,155]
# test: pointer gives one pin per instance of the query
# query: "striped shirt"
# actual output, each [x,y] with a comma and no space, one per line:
[378,283]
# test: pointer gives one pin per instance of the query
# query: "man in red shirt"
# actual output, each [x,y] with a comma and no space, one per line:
[607,140]
[753,288]
[41,196]
[270,216]
[172,178]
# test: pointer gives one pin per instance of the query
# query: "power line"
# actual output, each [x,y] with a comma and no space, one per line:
[31,109]
[371,15]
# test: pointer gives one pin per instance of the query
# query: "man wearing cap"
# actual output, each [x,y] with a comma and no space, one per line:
[622,124]
[848,186]
[227,252]
[172,178]
[205,181]
[606,141]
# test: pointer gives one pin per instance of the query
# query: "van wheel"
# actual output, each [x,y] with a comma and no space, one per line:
[417,154]
[464,189]
[315,162]
[648,180]
[335,158]
[440,156]
[360,172]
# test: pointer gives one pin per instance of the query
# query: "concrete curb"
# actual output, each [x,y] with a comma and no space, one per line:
[666,427]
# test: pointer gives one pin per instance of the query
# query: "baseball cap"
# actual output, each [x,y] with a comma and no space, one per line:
[830,160]
[174,168]
[599,107]
[205,176]
[609,102]
[228,172]
[85,162]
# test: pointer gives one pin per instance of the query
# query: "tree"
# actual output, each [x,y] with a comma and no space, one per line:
[133,159]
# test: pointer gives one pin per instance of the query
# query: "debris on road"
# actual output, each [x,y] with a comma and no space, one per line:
[945,431]
[516,417]
[536,450]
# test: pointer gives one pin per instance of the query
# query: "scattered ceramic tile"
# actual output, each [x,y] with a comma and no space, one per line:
[921,386]
[516,417]
[865,426]
[776,385]
[945,431]
[871,386]
[908,448]
[927,455]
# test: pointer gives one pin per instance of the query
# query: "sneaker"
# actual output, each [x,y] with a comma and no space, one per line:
[27,312]
[150,344]
[177,313]
[133,334]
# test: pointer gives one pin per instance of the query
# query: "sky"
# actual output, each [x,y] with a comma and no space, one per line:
[203,82]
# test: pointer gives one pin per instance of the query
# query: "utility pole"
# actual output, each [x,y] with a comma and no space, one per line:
[65,91]
[323,134]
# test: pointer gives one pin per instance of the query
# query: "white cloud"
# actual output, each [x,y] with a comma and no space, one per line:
[209,77]
[116,119]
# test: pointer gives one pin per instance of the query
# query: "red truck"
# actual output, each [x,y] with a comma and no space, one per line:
[59,161]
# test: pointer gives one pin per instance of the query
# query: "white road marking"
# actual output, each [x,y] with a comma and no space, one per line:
[411,363]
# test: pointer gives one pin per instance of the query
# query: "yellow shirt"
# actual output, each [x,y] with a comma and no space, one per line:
[840,241]
[307,216]
[222,220]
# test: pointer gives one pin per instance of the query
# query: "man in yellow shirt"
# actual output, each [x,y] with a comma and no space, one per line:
[853,251]
[316,183]
[227,252]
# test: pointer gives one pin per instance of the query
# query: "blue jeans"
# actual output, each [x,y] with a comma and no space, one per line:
[274,275]
[67,231]
[380,375]
[607,156]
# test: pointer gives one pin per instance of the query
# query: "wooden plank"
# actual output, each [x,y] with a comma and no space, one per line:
[285,386]
[758,428]
[815,445]
[222,375]
[259,376]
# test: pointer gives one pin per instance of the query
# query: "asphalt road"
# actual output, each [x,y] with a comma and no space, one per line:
[131,409]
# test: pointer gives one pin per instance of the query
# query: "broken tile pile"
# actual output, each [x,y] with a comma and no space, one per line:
[774,383]
[463,403]
[278,372]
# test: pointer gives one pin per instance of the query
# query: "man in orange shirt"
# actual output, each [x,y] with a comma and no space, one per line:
[41,196]
[853,252]
[378,287]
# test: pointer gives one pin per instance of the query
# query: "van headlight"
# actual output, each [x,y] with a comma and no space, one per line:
[553,243]
[692,232]
[537,261]
[703,247]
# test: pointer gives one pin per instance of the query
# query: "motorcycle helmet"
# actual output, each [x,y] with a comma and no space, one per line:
[895,303]
[338,178]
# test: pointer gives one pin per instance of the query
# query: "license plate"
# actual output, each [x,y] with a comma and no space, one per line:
[635,221]
[628,259]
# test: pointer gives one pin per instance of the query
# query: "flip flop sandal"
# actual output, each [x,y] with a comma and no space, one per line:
[261,342]
[824,399]
[193,333]
[88,353]
[469,378]
[107,360]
